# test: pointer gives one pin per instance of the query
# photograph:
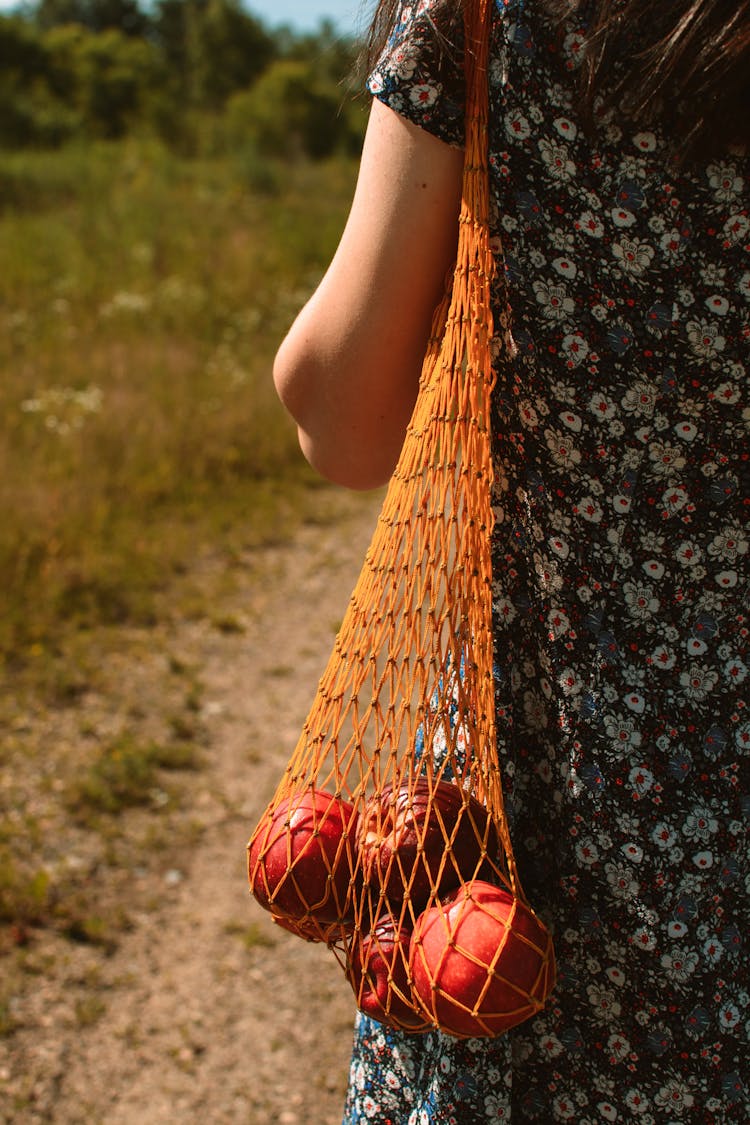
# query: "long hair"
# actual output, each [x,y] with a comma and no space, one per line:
[681,64]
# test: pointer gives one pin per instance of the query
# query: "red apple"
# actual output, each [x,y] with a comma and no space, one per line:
[377,971]
[403,838]
[311,929]
[299,857]
[480,961]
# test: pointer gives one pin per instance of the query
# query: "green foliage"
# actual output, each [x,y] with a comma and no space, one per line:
[211,48]
[292,111]
[126,773]
[32,111]
[24,895]
[95,15]
[106,68]
[109,78]
[142,297]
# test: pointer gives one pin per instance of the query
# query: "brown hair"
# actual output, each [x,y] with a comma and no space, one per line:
[684,64]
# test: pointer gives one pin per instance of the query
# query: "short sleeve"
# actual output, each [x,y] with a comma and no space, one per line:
[420,73]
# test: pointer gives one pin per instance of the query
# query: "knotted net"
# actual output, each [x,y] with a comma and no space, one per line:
[387,837]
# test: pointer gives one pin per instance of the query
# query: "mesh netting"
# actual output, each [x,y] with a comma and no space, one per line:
[387,837]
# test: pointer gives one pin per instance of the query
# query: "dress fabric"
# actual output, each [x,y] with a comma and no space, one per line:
[620,557]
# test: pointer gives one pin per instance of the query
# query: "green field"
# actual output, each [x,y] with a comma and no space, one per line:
[142,296]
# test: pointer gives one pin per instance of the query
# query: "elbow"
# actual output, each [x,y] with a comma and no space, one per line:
[347,464]
[330,439]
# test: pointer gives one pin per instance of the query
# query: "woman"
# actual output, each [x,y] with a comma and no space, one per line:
[619,186]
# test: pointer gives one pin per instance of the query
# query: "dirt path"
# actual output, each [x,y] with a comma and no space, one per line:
[209,1014]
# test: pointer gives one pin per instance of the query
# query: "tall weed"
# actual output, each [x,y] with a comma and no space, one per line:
[142,297]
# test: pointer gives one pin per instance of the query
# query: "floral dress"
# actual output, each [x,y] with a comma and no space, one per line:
[620,559]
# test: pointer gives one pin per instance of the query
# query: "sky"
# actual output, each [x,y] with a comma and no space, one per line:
[305,15]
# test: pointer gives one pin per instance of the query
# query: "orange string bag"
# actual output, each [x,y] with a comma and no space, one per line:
[387,836]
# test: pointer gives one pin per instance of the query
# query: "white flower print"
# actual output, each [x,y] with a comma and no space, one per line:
[666,459]
[645,141]
[496,1109]
[639,399]
[712,274]
[686,431]
[587,852]
[622,880]
[743,285]
[607,1111]
[633,256]
[729,1016]
[555,302]
[622,732]
[735,229]
[644,939]
[717,304]
[671,243]
[636,1102]
[728,545]
[590,509]
[557,159]
[517,126]
[604,1002]
[621,217]
[680,962]
[728,393]
[641,779]
[674,499]
[405,64]
[640,599]
[424,94]
[564,1108]
[700,824]
[564,267]
[564,453]
[713,950]
[566,128]
[601,407]
[549,576]
[573,45]
[633,852]
[725,181]
[675,1096]
[704,338]
[698,681]
[688,554]
[735,670]
[618,1046]
[558,624]
[590,224]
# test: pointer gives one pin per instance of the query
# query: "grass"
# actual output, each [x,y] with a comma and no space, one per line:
[126,773]
[143,297]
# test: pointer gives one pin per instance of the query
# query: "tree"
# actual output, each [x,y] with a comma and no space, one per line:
[213,48]
[95,15]
[291,111]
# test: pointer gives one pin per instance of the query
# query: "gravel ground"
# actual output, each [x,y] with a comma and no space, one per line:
[201,1011]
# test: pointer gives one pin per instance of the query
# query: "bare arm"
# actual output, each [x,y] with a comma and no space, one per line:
[348,370]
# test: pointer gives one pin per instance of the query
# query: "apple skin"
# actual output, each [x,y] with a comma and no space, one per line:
[391,827]
[298,859]
[475,932]
[377,971]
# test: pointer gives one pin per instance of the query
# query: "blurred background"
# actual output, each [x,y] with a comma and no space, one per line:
[174,177]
